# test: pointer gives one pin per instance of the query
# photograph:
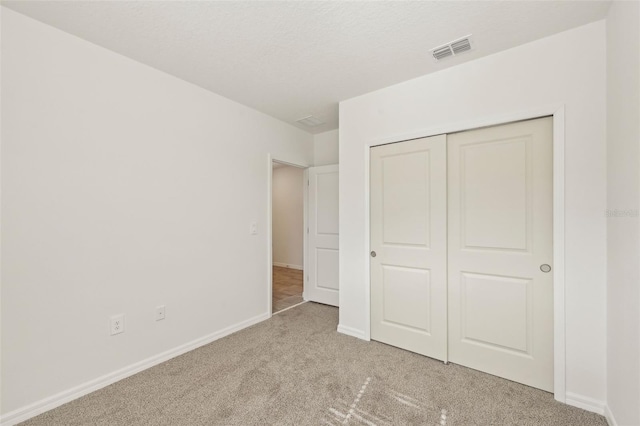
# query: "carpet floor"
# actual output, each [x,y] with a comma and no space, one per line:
[295,369]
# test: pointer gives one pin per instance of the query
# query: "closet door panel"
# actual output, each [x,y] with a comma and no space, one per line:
[408,240]
[500,237]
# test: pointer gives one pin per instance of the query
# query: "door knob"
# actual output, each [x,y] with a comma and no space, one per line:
[545,268]
[373,254]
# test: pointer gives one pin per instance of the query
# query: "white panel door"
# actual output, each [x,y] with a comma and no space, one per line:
[408,234]
[322,277]
[500,236]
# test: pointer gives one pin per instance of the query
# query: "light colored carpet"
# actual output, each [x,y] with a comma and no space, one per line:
[295,369]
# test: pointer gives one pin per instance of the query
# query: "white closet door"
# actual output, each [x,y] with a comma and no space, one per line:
[322,284]
[500,237]
[408,234]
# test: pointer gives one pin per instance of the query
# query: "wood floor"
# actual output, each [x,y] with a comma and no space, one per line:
[287,288]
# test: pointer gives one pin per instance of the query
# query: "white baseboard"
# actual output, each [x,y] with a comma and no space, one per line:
[288,265]
[609,416]
[585,403]
[349,331]
[49,403]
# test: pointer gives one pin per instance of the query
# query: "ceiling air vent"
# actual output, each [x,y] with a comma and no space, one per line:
[310,121]
[453,48]
[442,52]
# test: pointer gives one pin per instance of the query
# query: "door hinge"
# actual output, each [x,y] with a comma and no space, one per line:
[307,229]
[307,182]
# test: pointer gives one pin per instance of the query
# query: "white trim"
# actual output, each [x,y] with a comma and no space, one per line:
[609,416]
[288,266]
[557,111]
[49,403]
[461,126]
[269,227]
[305,235]
[559,339]
[270,160]
[1,222]
[585,403]
[353,332]
[367,238]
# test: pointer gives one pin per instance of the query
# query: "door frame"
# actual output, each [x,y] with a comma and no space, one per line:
[305,199]
[558,114]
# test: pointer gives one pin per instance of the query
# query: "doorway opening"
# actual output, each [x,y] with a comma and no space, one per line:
[288,184]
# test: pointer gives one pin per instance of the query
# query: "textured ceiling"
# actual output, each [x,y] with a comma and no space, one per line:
[292,59]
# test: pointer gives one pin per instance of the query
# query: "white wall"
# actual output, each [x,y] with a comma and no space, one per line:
[623,232]
[288,216]
[325,148]
[567,68]
[116,198]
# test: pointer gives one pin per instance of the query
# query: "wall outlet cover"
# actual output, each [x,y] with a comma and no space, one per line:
[160,312]
[116,324]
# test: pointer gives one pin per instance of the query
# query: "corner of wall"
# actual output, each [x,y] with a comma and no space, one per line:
[353,332]
[609,416]
[325,148]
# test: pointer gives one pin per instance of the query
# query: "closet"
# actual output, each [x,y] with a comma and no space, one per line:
[462,249]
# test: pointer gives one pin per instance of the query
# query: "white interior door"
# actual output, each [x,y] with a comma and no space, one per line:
[500,236]
[408,234]
[322,277]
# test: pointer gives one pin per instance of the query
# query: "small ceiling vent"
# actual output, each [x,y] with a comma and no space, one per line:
[442,52]
[310,121]
[453,48]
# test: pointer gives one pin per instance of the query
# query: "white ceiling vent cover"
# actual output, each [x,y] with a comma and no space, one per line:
[453,48]
[310,121]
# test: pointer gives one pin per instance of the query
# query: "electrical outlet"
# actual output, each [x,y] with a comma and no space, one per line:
[116,324]
[160,315]
[253,228]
